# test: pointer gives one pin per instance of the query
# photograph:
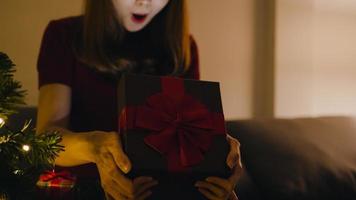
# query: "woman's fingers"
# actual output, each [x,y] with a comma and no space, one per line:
[144,195]
[208,194]
[120,157]
[142,180]
[236,174]
[112,193]
[223,183]
[215,190]
[112,163]
[142,185]
[108,196]
[233,196]
[111,176]
[218,188]
[117,175]
[233,158]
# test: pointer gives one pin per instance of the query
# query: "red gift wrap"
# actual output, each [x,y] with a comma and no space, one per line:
[173,130]
[181,128]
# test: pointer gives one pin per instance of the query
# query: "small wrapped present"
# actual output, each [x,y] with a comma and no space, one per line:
[56,185]
[63,179]
[173,130]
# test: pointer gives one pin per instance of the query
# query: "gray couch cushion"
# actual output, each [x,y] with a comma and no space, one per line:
[300,158]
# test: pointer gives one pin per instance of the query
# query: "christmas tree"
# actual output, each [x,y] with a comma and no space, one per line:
[24,155]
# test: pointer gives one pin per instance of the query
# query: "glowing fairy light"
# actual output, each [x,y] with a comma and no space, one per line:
[26,147]
[2,122]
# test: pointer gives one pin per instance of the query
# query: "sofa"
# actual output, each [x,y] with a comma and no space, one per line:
[286,159]
[297,159]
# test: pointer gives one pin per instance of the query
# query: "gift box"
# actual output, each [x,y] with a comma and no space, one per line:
[56,185]
[173,130]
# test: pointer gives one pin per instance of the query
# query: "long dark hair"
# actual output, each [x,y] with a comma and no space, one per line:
[102,31]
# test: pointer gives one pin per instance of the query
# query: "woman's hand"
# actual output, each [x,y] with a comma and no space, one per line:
[141,186]
[112,163]
[215,188]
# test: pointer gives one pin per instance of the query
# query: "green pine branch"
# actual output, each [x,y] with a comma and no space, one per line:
[43,149]
[24,155]
[11,94]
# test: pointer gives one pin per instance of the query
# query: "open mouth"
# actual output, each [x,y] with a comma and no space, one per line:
[139,18]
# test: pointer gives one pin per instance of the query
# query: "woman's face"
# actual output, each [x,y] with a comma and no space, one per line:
[134,15]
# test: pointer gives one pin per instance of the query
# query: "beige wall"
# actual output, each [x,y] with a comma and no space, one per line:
[315,58]
[223,32]
[225,36]
[22,23]
[293,57]
[335,57]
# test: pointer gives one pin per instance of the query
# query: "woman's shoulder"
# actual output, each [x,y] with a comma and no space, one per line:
[68,22]
[65,27]
[64,31]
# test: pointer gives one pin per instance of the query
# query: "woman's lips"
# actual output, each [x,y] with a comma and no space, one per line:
[139,18]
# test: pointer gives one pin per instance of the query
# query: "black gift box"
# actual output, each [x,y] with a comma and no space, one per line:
[139,92]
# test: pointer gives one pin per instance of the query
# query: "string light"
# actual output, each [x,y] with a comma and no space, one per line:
[26,147]
[2,122]
[3,139]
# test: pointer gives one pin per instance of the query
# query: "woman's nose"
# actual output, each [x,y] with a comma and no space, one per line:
[143,3]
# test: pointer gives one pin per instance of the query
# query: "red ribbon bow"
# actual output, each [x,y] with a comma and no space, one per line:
[52,179]
[51,175]
[182,128]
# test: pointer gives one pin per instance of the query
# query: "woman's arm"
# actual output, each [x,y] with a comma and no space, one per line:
[53,114]
[102,148]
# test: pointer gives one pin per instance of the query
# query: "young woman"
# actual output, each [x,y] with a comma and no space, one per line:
[80,62]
